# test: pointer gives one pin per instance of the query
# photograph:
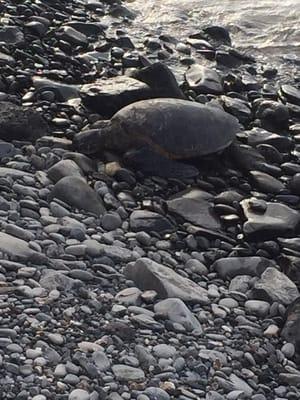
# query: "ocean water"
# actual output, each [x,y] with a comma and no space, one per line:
[268,29]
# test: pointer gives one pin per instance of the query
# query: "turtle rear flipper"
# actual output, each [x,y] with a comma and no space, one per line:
[152,163]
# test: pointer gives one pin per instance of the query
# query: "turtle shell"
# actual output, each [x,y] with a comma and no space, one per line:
[176,128]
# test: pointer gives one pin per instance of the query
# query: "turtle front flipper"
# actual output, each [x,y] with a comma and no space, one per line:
[86,142]
[151,163]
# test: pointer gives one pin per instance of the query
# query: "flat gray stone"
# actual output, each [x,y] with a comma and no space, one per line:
[16,247]
[176,311]
[79,394]
[203,80]
[230,267]
[74,191]
[196,206]
[64,168]
[276,220]
[149,275]
[148,221]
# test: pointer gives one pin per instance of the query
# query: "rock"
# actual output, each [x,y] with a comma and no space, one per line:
[57,280]
[274,116]
[160,79]
[196,206]
[149,275]
[148,221]
[257,136]
[203,80]
[76,192]
[129,296]
[257,307]
[17,123]
[290,93]
[295,184]
[164,351]
[100,360]
[273,285]
[17,248]
[231,267]
[11,35]
[64,168]
[6,149]
[79,394]
[86,164]
[63,92]
[237,107]
[276,220]
[72,36]
[154,393]
[106,97]
[240,384]
[218,33]
[125,373]
[176,311]
[111,221]
[288,349]
[87,28]
[266,183]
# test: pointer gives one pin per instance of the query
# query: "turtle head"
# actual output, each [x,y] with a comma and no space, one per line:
[94,140]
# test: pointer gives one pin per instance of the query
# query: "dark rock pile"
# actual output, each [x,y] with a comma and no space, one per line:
[116,285]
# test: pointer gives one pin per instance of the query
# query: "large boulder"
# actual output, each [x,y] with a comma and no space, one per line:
[203,80]
[273,286]
[18,123]
[148,274]
[176,311]
[268,220]
[74,191]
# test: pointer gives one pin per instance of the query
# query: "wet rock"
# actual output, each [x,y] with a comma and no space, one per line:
[63,92]
[149,275]
[291,93]
[76,192]
[237,107]
[273,115]
[218,33]
[176,311]
[230,267]
[17,123]
[273,285]
[196,206]
[106,97]
[160,79]
[258,136]
[148,221]
[64,168]
[203,80]
[272,220]
[266,183]
[72,36]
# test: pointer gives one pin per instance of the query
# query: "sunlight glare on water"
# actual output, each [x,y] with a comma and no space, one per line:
[269,27]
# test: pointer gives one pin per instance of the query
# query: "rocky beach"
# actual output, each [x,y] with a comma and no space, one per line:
[117,283]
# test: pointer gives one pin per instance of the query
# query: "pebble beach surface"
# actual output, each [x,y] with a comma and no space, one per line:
[115,285]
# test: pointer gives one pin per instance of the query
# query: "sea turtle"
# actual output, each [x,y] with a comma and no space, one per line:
[154,133]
